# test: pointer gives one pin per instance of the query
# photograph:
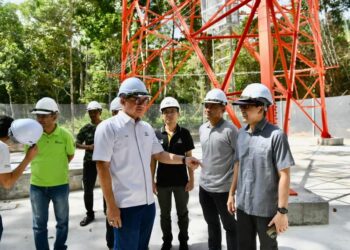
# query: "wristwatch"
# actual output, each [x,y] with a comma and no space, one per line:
[282,210]
[184,160]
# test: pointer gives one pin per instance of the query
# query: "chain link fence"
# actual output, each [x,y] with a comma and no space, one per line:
[338,112]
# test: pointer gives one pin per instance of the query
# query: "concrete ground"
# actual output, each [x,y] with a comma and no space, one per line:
[325,170]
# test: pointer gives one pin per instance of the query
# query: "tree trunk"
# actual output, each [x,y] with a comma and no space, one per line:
[70,41]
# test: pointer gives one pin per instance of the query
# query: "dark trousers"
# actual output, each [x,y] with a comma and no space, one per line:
[89,180]
[249,226]
[181,201]
[109,228]
[137,224]
[1,228]
[214,205]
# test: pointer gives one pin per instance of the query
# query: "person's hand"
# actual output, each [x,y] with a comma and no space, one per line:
[231,204]
[192,162]
[189,186]
[32,152]
[154,187]
[280,221]
[91,147]
[113,217]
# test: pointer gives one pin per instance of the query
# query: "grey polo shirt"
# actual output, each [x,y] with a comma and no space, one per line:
[218,150]
[261,155]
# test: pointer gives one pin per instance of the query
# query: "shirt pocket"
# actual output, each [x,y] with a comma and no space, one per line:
[122,141]
[260,155]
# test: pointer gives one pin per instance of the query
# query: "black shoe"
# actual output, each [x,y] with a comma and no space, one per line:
[183,246]
[166,246]
[86,221]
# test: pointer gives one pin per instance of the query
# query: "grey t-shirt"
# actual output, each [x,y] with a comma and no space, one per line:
[261,155]
[218,150]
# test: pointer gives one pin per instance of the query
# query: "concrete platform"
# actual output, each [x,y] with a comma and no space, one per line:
[307,208]
[337,141]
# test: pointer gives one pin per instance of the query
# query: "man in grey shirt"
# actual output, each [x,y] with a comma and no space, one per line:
[218,139]
[261,173]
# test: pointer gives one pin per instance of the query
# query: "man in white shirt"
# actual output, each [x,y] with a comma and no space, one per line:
[124,146]
[25,131]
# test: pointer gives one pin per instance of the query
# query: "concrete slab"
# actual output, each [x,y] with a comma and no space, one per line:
[331,141]
[307,208]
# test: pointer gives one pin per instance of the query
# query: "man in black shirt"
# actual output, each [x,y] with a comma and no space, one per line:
[85,140]
[172,179]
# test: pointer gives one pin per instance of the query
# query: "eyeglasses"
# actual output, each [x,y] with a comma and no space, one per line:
[139,100]
[247,106]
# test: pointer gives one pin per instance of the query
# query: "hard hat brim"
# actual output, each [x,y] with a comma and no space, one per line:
[247,101]
[90,109]
[41,112]
[218,102]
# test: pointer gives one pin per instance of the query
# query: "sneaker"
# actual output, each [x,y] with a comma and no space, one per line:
[166,246]
[86,221]
[183,246]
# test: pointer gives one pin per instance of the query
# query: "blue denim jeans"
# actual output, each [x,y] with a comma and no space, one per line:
[137,224]
[40,198]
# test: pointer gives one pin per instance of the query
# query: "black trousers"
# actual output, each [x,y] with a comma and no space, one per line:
[249,226]
[181,201]
[214,206]
[89,180]
[109,228]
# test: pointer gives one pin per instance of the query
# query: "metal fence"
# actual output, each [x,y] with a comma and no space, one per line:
[338,111]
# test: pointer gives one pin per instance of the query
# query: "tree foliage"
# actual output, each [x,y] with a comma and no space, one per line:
[45,45]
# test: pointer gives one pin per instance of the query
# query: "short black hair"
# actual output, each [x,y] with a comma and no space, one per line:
[5,124]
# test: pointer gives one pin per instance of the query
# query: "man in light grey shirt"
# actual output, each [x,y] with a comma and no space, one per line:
[261,173]
[218,139]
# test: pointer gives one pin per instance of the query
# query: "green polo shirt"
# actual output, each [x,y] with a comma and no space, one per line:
[50,167]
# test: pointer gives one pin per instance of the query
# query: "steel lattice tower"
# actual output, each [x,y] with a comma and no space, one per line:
[283,36]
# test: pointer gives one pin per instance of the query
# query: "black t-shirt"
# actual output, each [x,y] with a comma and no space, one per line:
[181,142]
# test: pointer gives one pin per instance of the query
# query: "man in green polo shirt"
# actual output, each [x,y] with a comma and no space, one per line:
[49,179]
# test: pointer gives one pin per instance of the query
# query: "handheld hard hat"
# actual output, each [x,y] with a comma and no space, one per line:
[115,105]
[255,93]
[93,106]
[132,86]
[25,131]
[169,102]
[45,106]
[216,96]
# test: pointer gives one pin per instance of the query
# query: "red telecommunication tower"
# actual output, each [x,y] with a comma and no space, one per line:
[283,36]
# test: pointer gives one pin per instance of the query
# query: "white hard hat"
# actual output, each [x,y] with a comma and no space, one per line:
[25,131]
[133,86]
[169,102]
[93,106]
[255,93]
[216,96]
[45,106]
[115,104]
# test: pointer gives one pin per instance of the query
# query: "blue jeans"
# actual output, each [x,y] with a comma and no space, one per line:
[40,198]
[137,224]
